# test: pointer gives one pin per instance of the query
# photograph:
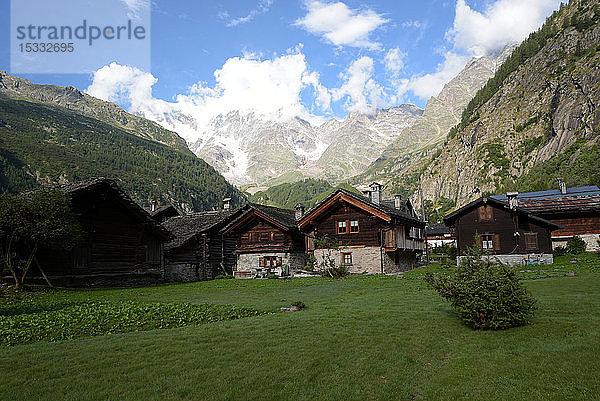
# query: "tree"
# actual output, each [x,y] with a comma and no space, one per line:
[327,266]
[484,294]
[29,221]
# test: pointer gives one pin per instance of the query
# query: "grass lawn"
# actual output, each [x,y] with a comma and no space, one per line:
[361,338]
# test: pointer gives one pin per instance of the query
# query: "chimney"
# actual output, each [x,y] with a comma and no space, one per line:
[226,203]
[375,193]
[397,201]
[562,185]
[299,211]
[513,200]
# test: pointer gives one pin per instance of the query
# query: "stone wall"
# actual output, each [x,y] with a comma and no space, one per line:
[519,259]
[369,259]
[183,272]
[290,262]
[590,239]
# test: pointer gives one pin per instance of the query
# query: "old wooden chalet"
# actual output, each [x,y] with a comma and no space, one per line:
[373,235]
[199,250]
[576,209]
[268,241]
[440,235]
[123,245]
[508,233]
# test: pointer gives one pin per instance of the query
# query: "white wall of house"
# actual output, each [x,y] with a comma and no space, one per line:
[289,261]
[519,259]
[591,241]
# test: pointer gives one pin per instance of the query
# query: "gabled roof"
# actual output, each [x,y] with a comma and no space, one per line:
[284,219]
[438,230]
[578,199]
[383,210]
[186,227]
[451,218]
[106,183]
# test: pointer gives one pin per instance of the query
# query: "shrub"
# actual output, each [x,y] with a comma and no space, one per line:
[485,295]
[327,266]
[560,251]
[272,276]
[576,245]
[310,263]
[223,277]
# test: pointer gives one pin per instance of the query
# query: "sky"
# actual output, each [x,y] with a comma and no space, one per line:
[314,59]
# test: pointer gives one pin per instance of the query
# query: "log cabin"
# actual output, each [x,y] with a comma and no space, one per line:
[123,245]
[163,213]
[506,232]
[370,235]
[268,241]
[576,209]
[199,250]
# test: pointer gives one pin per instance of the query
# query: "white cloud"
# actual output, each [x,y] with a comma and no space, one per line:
[266,87]
[261,8]
[428,85]
[341,25]
[502,23]
[135,7]
[394,61]
[361,91]
[412,24]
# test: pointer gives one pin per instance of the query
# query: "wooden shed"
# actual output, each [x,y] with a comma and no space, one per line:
[123,245]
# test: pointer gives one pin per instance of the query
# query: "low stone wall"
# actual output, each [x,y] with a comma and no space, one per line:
[591,241]
[519,259]
[289,261]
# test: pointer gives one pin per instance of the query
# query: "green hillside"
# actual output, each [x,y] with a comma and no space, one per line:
[309,192]
[45,144]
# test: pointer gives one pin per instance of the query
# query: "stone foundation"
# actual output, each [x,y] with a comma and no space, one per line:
[371,260]
[518,259]
[183,273]
[290,262]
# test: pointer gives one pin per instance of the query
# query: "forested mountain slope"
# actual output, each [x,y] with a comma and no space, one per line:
[42,143]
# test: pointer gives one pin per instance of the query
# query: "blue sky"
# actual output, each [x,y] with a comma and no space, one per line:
[316,59]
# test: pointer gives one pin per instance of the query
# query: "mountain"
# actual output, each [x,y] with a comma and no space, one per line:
[89,106]
[44,143]
[357,141]
[400,164]
[536,120]
[250,148]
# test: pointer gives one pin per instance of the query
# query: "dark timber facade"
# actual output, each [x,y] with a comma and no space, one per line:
[268,241]
[123,245]
[506,232]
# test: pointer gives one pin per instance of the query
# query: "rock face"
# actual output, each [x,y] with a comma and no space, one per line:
[249,148]
[401,162]
[548,104]
[71,98]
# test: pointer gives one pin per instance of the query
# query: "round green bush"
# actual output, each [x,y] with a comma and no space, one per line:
[485,295]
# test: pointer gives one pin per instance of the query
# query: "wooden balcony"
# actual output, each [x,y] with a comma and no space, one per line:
[398,240]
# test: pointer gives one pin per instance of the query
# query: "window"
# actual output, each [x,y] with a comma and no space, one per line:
[490,242]
[531,241]
[346,258]
[486,213]
[269,261]
[353,226]
[342,227]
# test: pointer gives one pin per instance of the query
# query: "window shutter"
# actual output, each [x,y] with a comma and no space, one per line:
[496,242]
[279,261]
[261,261]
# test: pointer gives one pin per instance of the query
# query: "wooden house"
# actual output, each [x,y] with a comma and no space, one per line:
[199,251]
[268,241]
[440,235]
[372,235]
[123,245]
[576,209]
[509,234]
